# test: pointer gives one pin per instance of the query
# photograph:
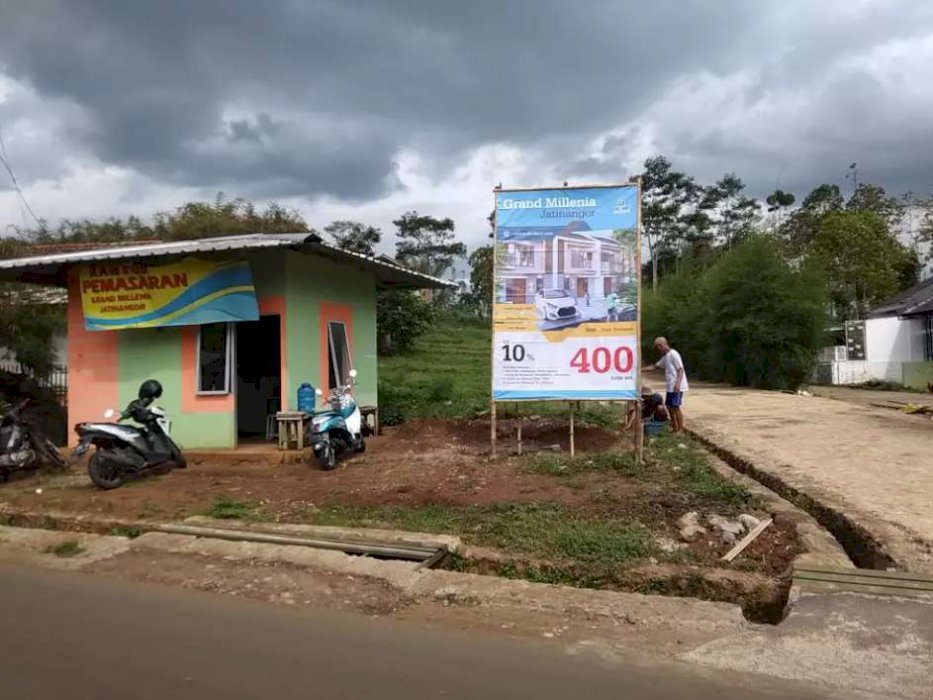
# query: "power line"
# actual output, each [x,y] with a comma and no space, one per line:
[5,160]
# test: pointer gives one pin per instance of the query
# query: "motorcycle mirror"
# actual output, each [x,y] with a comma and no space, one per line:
[109,413]
[319,392]
[352,374]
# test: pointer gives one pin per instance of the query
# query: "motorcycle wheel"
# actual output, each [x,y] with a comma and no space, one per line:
[49,455]
[105,473]
[361,446]
[328,457]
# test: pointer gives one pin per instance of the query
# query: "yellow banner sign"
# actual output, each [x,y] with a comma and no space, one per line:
[191,291]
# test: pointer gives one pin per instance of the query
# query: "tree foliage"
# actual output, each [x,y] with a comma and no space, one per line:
[427,244]
[192,220]
[864,261]
[401,316]
[751,319]
[354,236]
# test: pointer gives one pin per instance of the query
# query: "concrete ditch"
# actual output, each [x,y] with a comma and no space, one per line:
[861,546]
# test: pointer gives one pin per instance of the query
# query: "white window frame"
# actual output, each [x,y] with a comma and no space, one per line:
[228,378]
[332,353]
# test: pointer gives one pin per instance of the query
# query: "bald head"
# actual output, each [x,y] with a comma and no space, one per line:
[661,344]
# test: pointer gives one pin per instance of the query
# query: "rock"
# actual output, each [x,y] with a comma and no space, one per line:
[727,537]
[714,520]
[689,533]
[666,544]
[749,521]
[733,527]
[553,448]
[688,519]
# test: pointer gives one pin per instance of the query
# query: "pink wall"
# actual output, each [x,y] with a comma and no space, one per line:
[93,368]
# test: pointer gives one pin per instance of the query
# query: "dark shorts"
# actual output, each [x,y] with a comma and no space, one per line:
[674,399]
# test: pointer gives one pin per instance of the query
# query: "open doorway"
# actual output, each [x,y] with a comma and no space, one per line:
[259,374]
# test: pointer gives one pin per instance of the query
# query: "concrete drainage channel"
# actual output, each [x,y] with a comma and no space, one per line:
[858,544]
[425,551]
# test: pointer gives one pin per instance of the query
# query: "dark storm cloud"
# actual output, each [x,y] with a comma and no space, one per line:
[309,97]
[157,79]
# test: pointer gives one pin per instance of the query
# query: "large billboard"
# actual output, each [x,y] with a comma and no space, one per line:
[120,295]
[565,317]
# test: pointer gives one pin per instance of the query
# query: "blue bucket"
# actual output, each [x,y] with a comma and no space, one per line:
[654,427]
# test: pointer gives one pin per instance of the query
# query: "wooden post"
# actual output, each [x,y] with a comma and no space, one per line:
[492,429]
[518,417]
[572,446]
[639,428]
[639,435]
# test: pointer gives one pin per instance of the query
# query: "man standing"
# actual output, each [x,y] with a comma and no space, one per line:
[675,379]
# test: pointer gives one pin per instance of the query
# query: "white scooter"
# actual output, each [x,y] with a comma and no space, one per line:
[339,429]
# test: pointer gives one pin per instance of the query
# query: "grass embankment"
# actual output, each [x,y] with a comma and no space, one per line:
[595,532]
[448,375]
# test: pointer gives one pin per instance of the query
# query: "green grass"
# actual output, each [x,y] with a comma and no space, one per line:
[448,375]
[225,508]
[562,465]
[693,472]
[545,530]
[68,548]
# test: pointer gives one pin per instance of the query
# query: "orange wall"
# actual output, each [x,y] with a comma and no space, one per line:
[93,368]
[342,313]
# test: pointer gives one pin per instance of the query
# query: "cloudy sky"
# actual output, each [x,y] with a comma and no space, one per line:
[366,108]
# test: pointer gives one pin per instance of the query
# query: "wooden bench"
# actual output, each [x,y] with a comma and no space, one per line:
[292,429]
[373,412]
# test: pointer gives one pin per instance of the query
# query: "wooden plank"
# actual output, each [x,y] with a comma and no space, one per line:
[747,540]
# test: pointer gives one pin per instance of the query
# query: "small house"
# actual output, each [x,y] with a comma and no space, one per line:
[894,344]
[230,326]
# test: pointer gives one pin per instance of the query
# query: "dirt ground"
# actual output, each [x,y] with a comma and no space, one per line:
[423,462]
[870,397]
[874,465]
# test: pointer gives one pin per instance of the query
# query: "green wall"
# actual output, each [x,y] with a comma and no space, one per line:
[304,281]
[155,353]
[918,375]
[310,280]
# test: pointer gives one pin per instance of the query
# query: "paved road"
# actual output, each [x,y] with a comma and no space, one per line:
[71,635]
[874,464]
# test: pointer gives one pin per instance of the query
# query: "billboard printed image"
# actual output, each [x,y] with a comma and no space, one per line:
[116,296]
[566,309]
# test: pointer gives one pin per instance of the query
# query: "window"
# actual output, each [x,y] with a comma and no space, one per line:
[214,358]
[338,354]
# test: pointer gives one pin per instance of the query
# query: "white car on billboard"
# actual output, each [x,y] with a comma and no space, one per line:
[555,304]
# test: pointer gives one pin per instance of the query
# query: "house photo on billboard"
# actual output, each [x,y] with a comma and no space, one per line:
[570,274]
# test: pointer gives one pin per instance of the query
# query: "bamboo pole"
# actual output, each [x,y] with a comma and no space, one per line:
[518,417]
[492,429]
[639,429]
[572,446]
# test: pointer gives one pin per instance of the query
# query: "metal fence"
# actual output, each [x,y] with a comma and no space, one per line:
[56,380]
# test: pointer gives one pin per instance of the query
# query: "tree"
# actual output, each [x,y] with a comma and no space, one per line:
[224,217]
[800,229]
[737,213]
[869,197]
[864,261]
[481,279]
[427,244]
[665,192]
[751,318]
[354,236]
[401,316]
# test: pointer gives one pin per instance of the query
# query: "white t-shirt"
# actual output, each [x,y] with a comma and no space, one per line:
[670,363]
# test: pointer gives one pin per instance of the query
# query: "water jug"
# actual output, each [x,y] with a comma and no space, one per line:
[306,398]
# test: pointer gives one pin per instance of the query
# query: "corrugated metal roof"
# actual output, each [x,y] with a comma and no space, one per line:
[47,269]
[916,301]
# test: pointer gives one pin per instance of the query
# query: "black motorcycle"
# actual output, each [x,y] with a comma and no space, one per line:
[125,450]
[22,448]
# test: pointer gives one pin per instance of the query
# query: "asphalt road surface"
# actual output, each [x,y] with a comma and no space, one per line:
[68,635]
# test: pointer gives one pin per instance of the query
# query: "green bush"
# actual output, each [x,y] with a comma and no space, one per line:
[751,319]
